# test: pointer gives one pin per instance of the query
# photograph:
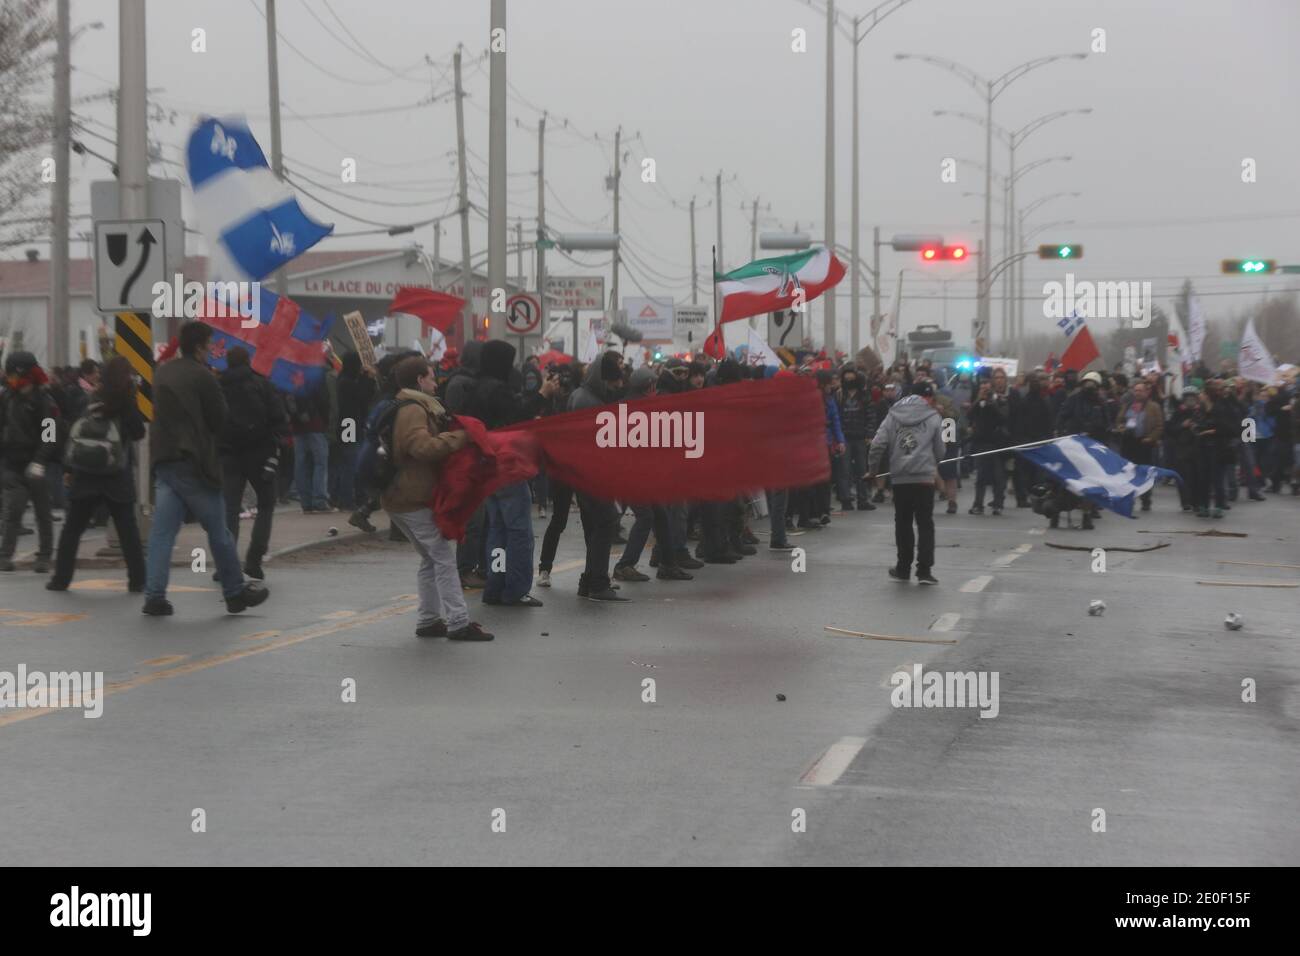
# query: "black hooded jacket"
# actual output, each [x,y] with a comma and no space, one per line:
[494,401]
[464,378]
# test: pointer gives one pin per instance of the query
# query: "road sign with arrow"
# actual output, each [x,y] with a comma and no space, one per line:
[130,257]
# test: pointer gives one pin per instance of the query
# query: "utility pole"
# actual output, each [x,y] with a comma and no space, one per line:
[718,260]
[519,253]
[273,83]
[828,301]
[467,288]
[58,325]
[437,252]
[133,157]
[987,248]
[854,282]
[695,276]
[875,281]
[541,221]
[497,169]
[618,236]
[1008,248]
[753,233]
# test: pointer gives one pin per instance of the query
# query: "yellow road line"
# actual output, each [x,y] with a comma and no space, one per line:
[180,670]
[165,660]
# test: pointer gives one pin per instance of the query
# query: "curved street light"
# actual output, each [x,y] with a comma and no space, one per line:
[1014,313]
[991,89]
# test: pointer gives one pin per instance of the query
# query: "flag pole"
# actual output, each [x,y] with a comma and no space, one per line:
[996,451]
[717,315]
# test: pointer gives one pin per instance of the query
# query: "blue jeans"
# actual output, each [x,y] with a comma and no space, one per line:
[177,489]
[311,452]
[509,527]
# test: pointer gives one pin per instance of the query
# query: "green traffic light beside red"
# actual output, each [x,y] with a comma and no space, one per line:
[1248,266]
[1063,251]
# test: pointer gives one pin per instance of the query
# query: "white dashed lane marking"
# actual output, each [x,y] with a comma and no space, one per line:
[976,584]
[833,762]
[946,622]
[1013,554]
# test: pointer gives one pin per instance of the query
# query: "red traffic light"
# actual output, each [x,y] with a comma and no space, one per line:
[933,253]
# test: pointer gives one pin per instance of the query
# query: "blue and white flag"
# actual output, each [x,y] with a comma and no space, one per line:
[1091,470]
[252,220]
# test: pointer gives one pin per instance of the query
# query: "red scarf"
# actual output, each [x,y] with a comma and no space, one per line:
[742,437]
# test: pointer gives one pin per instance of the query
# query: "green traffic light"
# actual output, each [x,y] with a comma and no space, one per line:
[1065,251]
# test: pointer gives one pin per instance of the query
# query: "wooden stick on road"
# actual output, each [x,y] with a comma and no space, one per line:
[886,637]
[1249,584]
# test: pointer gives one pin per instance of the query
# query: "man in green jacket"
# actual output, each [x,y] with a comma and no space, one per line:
[189,410]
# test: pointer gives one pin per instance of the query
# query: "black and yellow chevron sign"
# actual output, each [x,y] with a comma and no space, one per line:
[135,344]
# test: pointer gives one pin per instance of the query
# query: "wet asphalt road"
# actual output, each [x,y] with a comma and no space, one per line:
[548,733]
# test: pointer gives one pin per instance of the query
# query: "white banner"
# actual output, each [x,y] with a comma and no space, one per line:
[886,339]
[1009,365]
[1253,360]
[1195,330]
[760,353]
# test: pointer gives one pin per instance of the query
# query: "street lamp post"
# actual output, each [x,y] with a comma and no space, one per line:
[1019,266]
[862,25]
[1014,139]
[991,90]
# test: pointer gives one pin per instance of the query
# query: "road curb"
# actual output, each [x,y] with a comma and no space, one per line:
[317,543]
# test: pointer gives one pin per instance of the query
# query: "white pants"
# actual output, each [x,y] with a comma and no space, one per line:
[438,579]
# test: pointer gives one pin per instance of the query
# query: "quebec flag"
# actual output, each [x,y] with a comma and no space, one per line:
[252,221]
[1091,470]
[285,344]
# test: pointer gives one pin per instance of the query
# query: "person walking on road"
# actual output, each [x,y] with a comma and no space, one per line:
[603,384]
[99,462]
[912,434]
[189,413]
[1141,425]
[420,444]
[256,426]
[29,430]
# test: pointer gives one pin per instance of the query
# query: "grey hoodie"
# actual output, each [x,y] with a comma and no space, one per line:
[913,434]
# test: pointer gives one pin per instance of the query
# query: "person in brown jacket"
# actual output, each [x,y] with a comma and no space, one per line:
[1140,424]
[420,444]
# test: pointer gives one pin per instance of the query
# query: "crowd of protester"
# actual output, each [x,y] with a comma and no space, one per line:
[231,446]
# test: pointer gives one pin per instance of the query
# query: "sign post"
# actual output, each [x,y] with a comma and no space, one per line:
[356,324]
[523,313]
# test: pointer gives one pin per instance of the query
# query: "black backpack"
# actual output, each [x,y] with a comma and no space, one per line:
[95,444]
[375,466]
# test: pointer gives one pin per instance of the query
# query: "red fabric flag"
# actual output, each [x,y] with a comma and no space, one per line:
[714,345]
[1081,350]
[706,445]
[552,356]
[432,308]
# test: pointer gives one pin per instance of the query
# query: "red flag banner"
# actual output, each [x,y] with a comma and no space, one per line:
[1081,349]
[436,309]
[707,445]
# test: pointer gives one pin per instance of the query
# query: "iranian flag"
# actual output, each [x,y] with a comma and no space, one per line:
[768,285]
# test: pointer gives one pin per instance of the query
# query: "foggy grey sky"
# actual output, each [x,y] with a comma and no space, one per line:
[1184,92]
